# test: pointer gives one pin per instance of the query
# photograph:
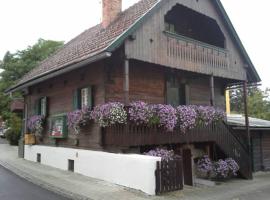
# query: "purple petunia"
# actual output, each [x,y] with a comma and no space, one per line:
[78,118]
[166,155]
[187,117]
[35,124]
[233,166]
[109,114]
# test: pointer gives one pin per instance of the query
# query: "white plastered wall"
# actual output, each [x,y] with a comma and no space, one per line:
[129,170]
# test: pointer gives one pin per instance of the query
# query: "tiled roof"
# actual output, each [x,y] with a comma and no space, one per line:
[90,42]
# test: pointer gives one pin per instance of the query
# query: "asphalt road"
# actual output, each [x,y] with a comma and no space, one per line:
[13,187]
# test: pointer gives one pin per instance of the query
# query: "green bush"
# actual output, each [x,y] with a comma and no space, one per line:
[13,137]
[14,131]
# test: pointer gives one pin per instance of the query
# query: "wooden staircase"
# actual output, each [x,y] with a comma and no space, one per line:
[233,147]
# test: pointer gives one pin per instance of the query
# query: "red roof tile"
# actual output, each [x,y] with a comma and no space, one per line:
[90,42]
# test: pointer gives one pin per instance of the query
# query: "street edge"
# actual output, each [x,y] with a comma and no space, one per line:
[43,184]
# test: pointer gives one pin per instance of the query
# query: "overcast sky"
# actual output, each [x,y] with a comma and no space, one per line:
[23,22]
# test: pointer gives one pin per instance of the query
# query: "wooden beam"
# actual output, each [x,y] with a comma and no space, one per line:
[247,127]
[212,87]
[126,82]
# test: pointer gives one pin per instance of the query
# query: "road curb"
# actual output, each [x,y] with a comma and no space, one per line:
[43,184]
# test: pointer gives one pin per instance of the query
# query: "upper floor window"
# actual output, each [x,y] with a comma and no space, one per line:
[189,23]
[83,98]
[41,106]
[176,91]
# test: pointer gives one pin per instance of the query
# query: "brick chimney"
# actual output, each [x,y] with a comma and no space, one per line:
[110,10]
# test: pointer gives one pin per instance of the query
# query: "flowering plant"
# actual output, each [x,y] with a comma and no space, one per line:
[221,169]
[205,114]
[205,165]
[187,117]
[164,115]
[233,166]
[209,114]
[109,113]
[166,155]
[139,112]
[78,118]
[35,124]
[219,115]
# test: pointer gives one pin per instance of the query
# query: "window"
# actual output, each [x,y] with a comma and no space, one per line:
[176,91]
[41,106]
[83,98]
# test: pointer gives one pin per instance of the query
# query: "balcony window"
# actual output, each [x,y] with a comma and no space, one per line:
[189,23]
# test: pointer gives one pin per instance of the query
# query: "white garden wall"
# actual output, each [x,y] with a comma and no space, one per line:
[130,170]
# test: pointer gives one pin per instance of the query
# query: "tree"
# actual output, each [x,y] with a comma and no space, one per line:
[16,65]
[258,102]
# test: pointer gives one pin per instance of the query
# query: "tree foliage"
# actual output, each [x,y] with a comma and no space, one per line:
[258,102]
[15,65]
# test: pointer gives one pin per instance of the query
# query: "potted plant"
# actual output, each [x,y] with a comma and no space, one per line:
[35,126]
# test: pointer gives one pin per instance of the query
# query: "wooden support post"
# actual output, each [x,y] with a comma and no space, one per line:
[212,87]
[126,82]
[247,128]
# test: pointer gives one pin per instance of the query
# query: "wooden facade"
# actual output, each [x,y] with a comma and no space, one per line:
[147,83]
[156,45]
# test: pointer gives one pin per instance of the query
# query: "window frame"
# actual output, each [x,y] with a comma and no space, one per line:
[78,98]
[173,82]
[39,109]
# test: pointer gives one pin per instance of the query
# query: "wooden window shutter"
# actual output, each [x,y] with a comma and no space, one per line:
[77,99]
[37,107]
[46,106]
[90,97]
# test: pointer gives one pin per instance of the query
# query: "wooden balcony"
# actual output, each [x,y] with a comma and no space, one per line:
[133,135]
[193,53]
[17,105]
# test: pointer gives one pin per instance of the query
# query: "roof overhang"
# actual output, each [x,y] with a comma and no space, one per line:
[54,73]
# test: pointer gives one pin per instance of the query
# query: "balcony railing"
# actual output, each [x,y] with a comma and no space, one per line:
[189,52]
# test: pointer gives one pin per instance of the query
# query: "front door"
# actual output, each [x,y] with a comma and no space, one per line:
[187,167]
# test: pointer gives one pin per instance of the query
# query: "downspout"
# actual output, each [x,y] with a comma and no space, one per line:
[126,82]
[212,87]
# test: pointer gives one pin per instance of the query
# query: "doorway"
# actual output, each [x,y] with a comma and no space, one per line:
[187,167]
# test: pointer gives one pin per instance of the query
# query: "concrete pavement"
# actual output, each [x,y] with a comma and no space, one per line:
[76,186]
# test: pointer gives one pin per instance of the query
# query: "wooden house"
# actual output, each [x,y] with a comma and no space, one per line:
[159,51]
